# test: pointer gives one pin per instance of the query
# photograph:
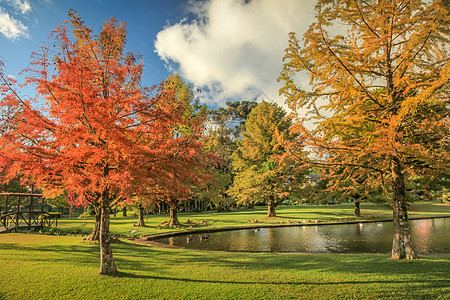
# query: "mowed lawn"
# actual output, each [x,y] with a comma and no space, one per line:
[61,267]
[34,266]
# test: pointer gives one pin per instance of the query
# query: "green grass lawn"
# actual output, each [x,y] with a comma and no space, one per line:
[34,266]
[61,267]
[122,226]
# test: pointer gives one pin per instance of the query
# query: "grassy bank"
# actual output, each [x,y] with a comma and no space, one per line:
[51,267]
[286,214]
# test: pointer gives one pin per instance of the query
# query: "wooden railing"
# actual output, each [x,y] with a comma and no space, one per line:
[27,219]
[18,216]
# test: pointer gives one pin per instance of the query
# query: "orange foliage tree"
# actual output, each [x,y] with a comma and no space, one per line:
[186,169]
[378,92]
[93,129]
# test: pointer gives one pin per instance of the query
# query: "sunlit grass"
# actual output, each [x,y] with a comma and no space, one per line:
[295,213]
[62,267]
[52,267]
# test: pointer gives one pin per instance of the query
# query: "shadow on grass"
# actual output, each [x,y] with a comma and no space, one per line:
[435,283]
[138,258]
[143,265]
[55,253]
[339,263]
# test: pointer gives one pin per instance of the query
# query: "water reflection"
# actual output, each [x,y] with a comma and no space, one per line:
[428,236]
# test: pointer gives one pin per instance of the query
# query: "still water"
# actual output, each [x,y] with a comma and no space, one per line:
[428,236]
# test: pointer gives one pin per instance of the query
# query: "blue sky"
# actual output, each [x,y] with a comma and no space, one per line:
[144,18]
[231,49]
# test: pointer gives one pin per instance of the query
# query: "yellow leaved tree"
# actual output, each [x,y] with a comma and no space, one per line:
[377,89]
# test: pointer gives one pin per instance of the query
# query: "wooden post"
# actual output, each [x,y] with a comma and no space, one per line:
[6,204]
[6,211]
[17,213]
[42,212]
[30,211]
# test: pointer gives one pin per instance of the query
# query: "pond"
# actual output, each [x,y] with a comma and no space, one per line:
[428,236]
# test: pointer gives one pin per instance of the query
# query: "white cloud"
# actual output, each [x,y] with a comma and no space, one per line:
[11,27]
[21,6]
[234,49]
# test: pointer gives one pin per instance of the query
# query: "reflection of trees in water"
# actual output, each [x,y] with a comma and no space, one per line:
[271,243]
[242,240]
[277,240]
[365,237]
[429,235]
[316,239]
[421,231]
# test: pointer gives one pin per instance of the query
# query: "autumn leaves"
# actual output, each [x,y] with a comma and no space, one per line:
[378,95]
[94,129]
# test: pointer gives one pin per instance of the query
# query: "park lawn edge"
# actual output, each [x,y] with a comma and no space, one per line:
[61,267]
[288,215]
[265,225]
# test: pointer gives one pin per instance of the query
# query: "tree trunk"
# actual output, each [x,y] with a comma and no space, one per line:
[357,210]
[173,221]
[271,209]
[196,206]
[95,235]
[124,211]
[140,221]
[401,246]
[107,265]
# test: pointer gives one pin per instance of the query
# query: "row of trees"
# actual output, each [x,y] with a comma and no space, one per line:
[94,135]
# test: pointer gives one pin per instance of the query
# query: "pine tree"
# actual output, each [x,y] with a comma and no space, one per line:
[262,172]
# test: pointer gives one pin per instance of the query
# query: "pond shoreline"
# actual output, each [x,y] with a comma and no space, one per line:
[167,246]
[152,237]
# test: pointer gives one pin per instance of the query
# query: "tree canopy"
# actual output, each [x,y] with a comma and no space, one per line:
[262,171]
[93,128]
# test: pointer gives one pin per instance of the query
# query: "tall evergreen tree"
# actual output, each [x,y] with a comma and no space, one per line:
[262,171]
[222,134]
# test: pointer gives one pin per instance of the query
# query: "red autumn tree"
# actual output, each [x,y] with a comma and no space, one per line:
[93,128]
[186,167]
